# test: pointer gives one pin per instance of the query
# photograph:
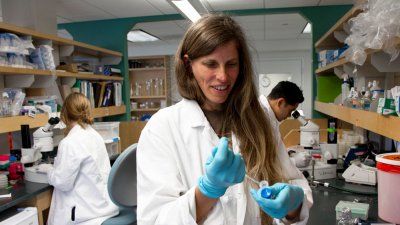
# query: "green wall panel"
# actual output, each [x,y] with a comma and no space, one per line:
[328,88]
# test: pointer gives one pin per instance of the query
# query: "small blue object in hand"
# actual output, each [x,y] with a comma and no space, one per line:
[266,192]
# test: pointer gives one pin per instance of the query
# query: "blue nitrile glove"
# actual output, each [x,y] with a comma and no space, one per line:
[285,198]
[223,169]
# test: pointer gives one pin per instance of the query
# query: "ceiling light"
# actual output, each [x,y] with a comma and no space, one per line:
[187,9]
[307,29]
[140,36]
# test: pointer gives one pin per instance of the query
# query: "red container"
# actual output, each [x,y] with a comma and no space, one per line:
[16,171]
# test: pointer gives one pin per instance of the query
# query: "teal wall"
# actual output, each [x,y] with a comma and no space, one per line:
[111,34]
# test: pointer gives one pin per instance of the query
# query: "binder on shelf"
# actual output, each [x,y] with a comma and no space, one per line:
[117,93]
[101,96]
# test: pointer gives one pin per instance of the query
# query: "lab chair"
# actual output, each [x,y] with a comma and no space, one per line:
[122,188]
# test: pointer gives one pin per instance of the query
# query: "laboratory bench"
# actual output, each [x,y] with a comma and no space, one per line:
[24,194]
[326,198]
[27,193]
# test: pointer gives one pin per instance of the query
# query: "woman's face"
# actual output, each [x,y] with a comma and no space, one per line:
[216,74]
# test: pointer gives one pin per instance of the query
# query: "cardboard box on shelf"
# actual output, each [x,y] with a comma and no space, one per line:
[73,67]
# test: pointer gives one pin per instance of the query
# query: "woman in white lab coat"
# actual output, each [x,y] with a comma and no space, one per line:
[81,170]
[185,171]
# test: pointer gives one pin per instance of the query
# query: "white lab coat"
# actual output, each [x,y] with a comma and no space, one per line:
[292,170]
[172,151]
[80,177]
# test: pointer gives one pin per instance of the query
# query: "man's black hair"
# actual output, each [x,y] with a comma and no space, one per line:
[287,90]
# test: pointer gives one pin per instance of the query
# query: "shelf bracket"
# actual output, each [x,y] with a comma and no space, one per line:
[381,61]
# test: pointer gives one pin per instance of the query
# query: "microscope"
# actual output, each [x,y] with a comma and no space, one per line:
[32,157]
[310,149]
[309,132]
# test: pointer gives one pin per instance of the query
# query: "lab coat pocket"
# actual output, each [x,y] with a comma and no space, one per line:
[229,207]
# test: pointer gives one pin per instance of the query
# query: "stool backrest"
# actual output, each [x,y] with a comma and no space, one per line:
[122,179]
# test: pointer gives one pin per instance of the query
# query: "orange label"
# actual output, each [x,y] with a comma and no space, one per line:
[392,157]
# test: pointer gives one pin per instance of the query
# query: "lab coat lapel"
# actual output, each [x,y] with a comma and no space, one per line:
[198,119]
[210,135]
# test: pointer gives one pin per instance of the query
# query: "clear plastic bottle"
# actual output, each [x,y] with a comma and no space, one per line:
[366,101]
[138,88]
[161,86]
[354,99]
[148,87]
[345,88]
[156,87]
[5,104]
[377,93]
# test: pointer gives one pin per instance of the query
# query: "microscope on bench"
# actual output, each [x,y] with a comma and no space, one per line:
[34,157]
[311,151]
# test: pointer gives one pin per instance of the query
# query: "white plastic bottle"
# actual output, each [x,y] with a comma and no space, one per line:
[376,93]
[345,88]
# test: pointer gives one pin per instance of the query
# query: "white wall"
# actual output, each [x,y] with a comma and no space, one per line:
[283,62]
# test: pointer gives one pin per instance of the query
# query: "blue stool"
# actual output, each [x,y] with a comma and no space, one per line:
[122,188]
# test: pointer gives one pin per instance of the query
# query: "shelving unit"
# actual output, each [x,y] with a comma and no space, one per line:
[62,48]
[329,68]
[5,70]
[387,126]
[142,70]
[147,69]
[328,40]
[377,66]
[146,110]
[108,111]
[13,123]
[77,47]
[149,97]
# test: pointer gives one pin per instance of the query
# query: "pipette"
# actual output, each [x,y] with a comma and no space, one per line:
[266,192]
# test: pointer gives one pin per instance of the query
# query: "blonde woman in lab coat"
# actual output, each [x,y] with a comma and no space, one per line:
[81,170]
[187,171]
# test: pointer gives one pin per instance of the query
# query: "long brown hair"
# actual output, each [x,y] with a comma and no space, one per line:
[242,110]
[76,109]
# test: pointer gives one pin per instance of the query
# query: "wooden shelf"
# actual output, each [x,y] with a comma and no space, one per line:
[329,68]
[388,126]
[6,70]
[79,46]
[108,111]
[328,40]
[145,110]
[13,123]
[147,57]
[147,69]
[149,97]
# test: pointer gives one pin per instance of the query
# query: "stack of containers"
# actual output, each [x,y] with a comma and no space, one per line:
[110,133]
[4,161]
[326,57]
[3,181]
